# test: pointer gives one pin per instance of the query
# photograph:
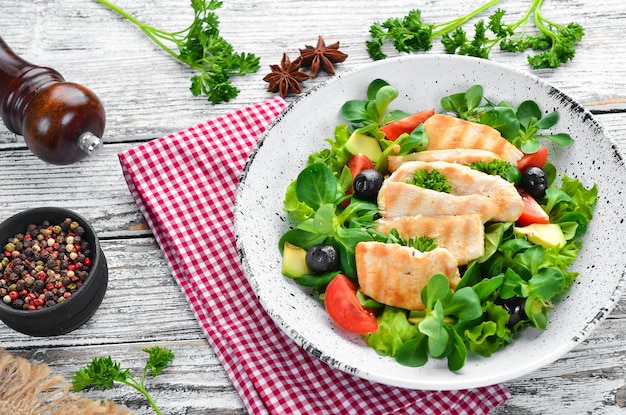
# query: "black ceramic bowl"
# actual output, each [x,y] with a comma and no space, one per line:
[77,309]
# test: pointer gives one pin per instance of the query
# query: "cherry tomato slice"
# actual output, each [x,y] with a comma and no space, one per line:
[532,213]
[395,129]
[536,159]
[356,165]
[344,308]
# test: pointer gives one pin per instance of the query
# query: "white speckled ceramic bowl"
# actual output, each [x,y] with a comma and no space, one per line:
[422,80]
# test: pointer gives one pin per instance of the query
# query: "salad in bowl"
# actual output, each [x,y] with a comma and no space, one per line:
[437,234]
[304,158]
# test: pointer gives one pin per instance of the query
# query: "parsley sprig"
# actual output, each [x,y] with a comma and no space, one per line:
[555,42]
[103,372]
[202,48]
[411,33]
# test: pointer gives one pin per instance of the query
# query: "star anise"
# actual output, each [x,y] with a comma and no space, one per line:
[322,57]
[286,77]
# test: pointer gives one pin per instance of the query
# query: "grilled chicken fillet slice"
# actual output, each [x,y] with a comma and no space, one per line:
[446,132]
[395,275]
[472,192]
[454,155]
[462,235]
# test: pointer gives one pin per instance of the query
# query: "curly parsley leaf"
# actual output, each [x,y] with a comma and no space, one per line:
[431,179]
[103,372]
[159,359]
[498,167]
[411,33]
[421,243]
[201,47]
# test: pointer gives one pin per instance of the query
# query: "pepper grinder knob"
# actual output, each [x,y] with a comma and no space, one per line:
[61,122]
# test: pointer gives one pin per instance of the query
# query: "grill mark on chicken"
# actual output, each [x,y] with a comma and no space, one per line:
[454,155]
[446,132]
[395,275]
[462,235]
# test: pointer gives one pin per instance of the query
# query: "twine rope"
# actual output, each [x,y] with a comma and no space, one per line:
[29,388]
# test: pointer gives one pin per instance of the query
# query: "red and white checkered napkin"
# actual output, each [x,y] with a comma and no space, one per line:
[185,186]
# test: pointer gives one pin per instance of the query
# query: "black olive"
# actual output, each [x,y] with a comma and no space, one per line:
[515,307]
[367,184]
[322,258]
[535,182]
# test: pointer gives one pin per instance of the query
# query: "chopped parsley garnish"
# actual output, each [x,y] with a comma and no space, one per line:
[422,243]
[432,180]
[498,167]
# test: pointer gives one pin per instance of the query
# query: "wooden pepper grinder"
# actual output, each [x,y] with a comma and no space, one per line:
[61,122]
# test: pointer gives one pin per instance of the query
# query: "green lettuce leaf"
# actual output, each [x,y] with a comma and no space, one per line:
[394,329]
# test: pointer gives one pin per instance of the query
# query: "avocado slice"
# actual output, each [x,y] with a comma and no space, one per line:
[361,143]
[294,261]
[547,235]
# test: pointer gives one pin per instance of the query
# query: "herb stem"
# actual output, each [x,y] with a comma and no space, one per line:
[540,21]
[452,24]
[145,28]
[133,383]
[201,48]
[535,5]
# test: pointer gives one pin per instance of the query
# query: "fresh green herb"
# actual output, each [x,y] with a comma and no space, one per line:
[422,243]
[103,372]
[571,206]
[202,48]
[411,33]
[539,290]
[364,116]
[394,329]
[370,114]
[532,121]
[518,268]
[317,283]
[521,126]
[368,302]
[431,179]
[498,167]
[556,42]
[337,155]
[480,46]
[466,104]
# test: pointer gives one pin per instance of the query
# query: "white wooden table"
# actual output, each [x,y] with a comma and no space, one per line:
[146,96]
